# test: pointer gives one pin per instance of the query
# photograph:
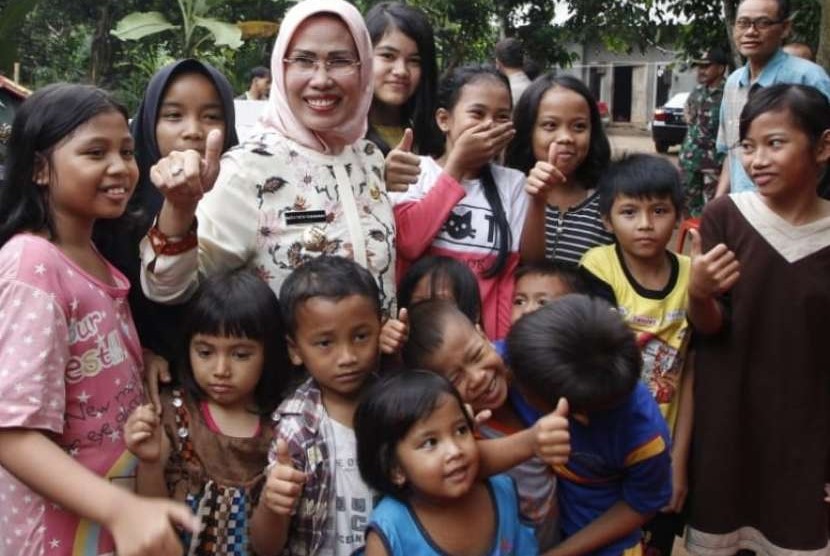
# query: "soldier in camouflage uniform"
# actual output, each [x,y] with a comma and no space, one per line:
[700,161]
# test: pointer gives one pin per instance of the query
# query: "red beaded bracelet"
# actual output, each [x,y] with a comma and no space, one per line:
[164,245]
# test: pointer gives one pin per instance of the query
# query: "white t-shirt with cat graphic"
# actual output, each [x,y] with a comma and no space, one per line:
[444,217]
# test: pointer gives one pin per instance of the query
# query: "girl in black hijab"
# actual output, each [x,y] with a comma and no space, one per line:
[183,101]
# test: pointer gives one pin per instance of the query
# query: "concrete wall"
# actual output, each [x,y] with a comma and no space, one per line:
[655,77]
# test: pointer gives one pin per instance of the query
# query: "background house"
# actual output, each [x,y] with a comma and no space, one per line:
[632,84]
[11,95]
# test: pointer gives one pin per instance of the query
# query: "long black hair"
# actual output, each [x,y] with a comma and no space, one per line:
[419,110]
[520,151]
[449,91]
[42,122]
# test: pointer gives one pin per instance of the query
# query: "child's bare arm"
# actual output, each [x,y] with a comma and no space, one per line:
[139,526]
[682,438]
[145,439]
[272,516]
[374,546]
[548,438]
[618,521]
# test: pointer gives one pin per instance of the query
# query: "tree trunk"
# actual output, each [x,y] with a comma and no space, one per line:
[823,57]
[730,8]
[101,57]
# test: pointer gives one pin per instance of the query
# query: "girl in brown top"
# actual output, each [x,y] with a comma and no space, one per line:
[210,445]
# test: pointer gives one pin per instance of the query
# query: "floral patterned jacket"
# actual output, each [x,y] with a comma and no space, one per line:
[277,204]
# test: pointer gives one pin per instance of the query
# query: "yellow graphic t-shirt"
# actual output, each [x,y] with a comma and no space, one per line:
[658,318]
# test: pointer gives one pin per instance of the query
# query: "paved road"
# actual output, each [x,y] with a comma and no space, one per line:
[629,140]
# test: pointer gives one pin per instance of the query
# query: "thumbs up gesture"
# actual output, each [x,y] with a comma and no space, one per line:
[713,272]
[553,441]
[544,176]
[183,177]
[402,167]
[284,483]
[394,333]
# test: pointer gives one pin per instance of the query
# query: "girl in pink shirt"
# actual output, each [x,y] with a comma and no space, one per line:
[70,360]
[464,206]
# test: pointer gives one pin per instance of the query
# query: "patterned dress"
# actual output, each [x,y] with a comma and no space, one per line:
[219,477]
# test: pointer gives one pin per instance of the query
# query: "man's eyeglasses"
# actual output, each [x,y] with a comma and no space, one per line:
[335,67]
[760,23]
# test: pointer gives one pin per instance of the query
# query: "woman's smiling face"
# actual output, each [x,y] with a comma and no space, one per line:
[319,100]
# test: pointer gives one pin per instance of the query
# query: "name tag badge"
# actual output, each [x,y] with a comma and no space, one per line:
[299,217]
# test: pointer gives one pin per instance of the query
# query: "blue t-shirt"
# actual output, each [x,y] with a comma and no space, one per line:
[403,535]
[622,454]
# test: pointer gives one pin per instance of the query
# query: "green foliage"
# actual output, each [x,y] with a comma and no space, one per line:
[195,28]
[12,16]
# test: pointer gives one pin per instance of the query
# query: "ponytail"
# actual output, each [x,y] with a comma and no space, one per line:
[503,234]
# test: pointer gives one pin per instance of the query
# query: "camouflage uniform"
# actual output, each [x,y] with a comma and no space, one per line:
[700,161]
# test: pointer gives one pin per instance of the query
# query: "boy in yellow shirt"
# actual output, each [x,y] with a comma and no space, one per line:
[641,200]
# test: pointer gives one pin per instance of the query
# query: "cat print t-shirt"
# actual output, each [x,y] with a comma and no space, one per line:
[468,230]
[69,369]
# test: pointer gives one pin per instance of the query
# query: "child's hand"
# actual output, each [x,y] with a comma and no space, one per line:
[143,434]
[544,176]
[156,370]
[478,418]
[713,272]
[477,146]
[553,441]
[394,333]
[146,526]
[284,483]
[402,167]
[183,177]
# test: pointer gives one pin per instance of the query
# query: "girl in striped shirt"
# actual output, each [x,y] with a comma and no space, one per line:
[561,145]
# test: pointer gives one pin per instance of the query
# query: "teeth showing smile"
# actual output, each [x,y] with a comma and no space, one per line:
[115,190]
[321,103]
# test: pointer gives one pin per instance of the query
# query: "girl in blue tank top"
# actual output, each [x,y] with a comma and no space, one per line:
[415,446]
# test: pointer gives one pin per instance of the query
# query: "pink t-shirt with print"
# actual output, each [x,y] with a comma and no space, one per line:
[70,367]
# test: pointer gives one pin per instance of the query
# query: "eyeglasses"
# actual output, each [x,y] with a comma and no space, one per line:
[760,23]
[335,67]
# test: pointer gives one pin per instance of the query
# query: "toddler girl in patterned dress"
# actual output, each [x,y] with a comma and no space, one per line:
[209,447]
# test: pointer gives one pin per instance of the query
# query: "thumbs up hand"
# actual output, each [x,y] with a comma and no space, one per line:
[284,483]
[394,333]
[402,166]
[713,272]
[553,441]
[544,176]
[183,177]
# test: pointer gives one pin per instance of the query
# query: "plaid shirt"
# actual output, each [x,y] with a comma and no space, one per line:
[298,421]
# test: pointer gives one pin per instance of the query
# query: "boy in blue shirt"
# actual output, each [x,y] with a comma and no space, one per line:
[619,471]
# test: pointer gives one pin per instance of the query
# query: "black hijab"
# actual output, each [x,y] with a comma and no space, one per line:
[143,126]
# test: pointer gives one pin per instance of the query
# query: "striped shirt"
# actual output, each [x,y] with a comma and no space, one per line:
[569,234]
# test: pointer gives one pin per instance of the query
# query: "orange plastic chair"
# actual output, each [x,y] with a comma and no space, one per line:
[683,231]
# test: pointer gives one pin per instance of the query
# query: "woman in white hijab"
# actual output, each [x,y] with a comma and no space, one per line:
[306,184]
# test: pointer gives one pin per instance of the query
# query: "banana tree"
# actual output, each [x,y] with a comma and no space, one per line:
[12,16]
[195,29]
